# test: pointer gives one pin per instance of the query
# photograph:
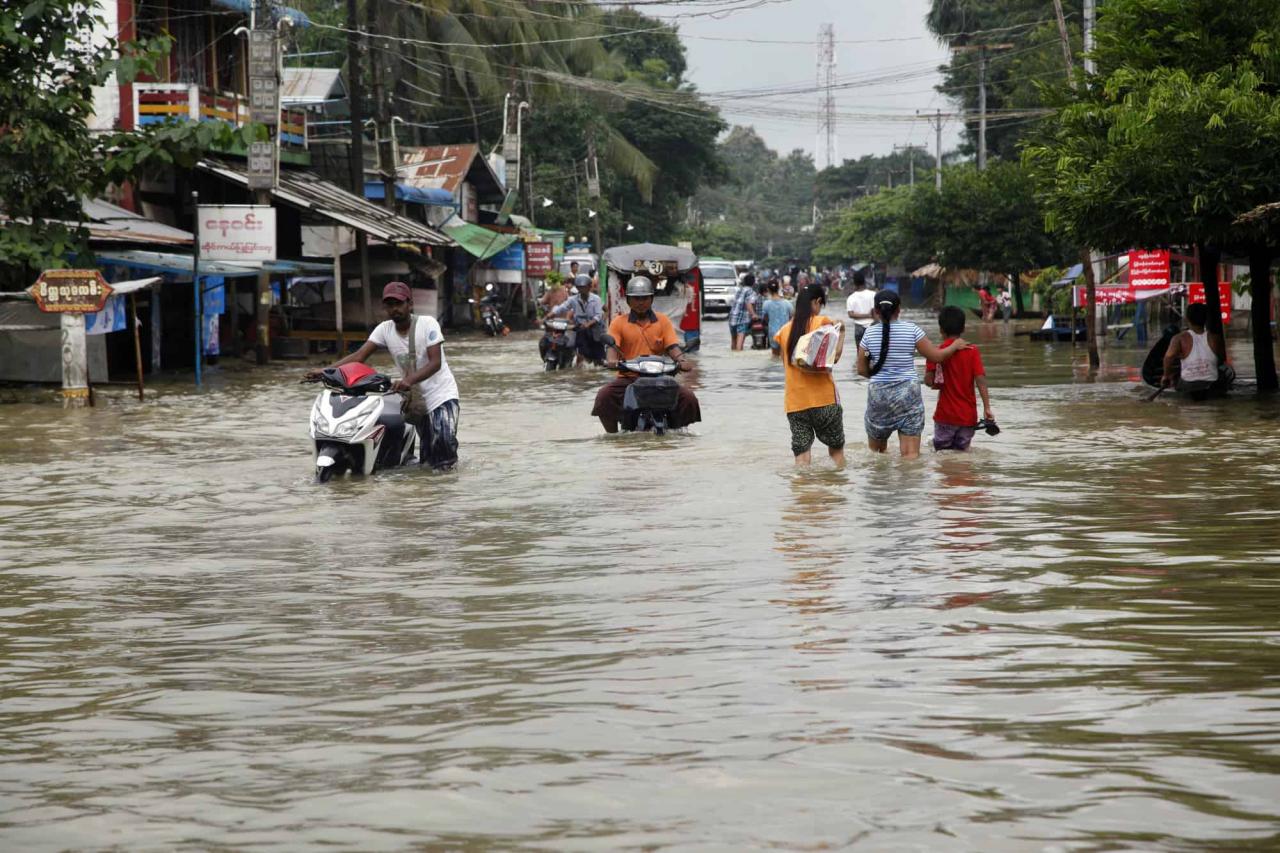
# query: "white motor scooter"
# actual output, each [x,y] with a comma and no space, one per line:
[353,426]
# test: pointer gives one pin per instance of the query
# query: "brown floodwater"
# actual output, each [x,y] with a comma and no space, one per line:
[1066,639]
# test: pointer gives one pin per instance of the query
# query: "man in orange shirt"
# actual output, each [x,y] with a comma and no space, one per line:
[638,333]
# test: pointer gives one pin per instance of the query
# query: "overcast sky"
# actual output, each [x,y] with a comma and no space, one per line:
[874,38]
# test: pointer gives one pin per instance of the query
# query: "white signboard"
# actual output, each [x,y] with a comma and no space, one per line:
[237,232]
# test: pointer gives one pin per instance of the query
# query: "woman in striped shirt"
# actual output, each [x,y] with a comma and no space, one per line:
[886,356]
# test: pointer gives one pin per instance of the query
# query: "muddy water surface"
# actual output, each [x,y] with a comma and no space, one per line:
[1066,639]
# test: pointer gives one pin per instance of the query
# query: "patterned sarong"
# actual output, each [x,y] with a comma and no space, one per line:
[894,407]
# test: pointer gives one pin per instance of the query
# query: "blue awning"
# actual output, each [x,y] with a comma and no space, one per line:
[299,18]
[374,190]
[168,262]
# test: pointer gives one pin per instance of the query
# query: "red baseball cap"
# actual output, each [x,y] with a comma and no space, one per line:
[397,290]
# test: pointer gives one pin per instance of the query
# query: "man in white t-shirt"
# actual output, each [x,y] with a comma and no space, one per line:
[859,305]
[438,435]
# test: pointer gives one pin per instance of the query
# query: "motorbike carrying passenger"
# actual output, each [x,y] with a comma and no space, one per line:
[638,333]
[587,313]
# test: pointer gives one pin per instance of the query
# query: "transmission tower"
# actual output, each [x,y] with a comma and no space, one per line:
[826,146]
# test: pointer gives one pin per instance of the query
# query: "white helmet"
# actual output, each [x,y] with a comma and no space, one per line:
[640,285]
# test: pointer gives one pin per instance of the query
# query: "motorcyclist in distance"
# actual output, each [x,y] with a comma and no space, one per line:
[587,312]
[639,333]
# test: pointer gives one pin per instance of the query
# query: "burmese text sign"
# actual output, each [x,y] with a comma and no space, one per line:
[237,232]
[70,291]
[539,259]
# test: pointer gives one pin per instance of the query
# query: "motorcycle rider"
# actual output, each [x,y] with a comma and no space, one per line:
[587,312]
[639,333]
[438,435]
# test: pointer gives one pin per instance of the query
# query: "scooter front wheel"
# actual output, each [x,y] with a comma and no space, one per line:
[324,473]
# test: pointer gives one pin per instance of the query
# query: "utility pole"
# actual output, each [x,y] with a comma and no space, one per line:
[593,188]
[355,156]
[261,19]
[382,133]
[982,109]
[982,94]
[1086,255]
[936,123]
[1090,20]
[911,159]
[1066,41]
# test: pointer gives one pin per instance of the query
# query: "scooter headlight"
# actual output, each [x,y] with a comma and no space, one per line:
[349,429]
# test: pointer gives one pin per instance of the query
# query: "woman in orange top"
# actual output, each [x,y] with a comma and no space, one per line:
[812,403]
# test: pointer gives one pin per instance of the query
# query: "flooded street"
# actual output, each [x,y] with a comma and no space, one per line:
[1066,639]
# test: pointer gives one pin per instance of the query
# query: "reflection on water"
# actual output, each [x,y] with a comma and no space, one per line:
[1064,639]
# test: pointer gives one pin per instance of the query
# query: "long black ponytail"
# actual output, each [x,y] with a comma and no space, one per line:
[804,313]
[887,304]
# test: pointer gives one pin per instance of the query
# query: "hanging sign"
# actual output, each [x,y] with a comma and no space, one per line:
[237,232]
[539,258]
[1149,270]
[70,291]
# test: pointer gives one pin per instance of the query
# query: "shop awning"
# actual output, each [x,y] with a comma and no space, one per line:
[326,200]
[414,195]
[480,242]
[168,262]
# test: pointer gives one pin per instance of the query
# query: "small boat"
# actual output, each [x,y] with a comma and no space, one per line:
[1060,330]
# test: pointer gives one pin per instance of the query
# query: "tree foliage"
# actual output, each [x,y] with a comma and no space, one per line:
[1170,145]
[682,148]
[987,220]
[52,160]
[1029,56]
[764,195]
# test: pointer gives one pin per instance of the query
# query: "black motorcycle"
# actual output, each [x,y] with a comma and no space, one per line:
[759,334]
[556,345]
[650,400]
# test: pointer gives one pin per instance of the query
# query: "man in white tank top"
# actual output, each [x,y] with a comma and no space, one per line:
[1191,362]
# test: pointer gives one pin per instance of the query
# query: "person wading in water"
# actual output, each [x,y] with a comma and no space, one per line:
[886,357]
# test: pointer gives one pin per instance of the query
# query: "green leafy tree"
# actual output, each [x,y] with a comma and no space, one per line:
[51,158]
[990,220]
[1029,55]
[768,195]
[876,228]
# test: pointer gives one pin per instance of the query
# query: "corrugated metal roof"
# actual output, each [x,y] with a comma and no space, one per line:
[111,223]
[312,194]
[107,223]
[311,85]
[169,262]
[446,167]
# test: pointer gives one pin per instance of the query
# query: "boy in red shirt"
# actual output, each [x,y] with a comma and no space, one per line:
[956,417]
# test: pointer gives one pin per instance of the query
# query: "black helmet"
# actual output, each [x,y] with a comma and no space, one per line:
[640,285]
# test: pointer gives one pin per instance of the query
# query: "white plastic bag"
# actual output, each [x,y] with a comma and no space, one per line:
[820,349]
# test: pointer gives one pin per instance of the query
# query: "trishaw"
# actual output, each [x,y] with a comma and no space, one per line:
[675,274]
